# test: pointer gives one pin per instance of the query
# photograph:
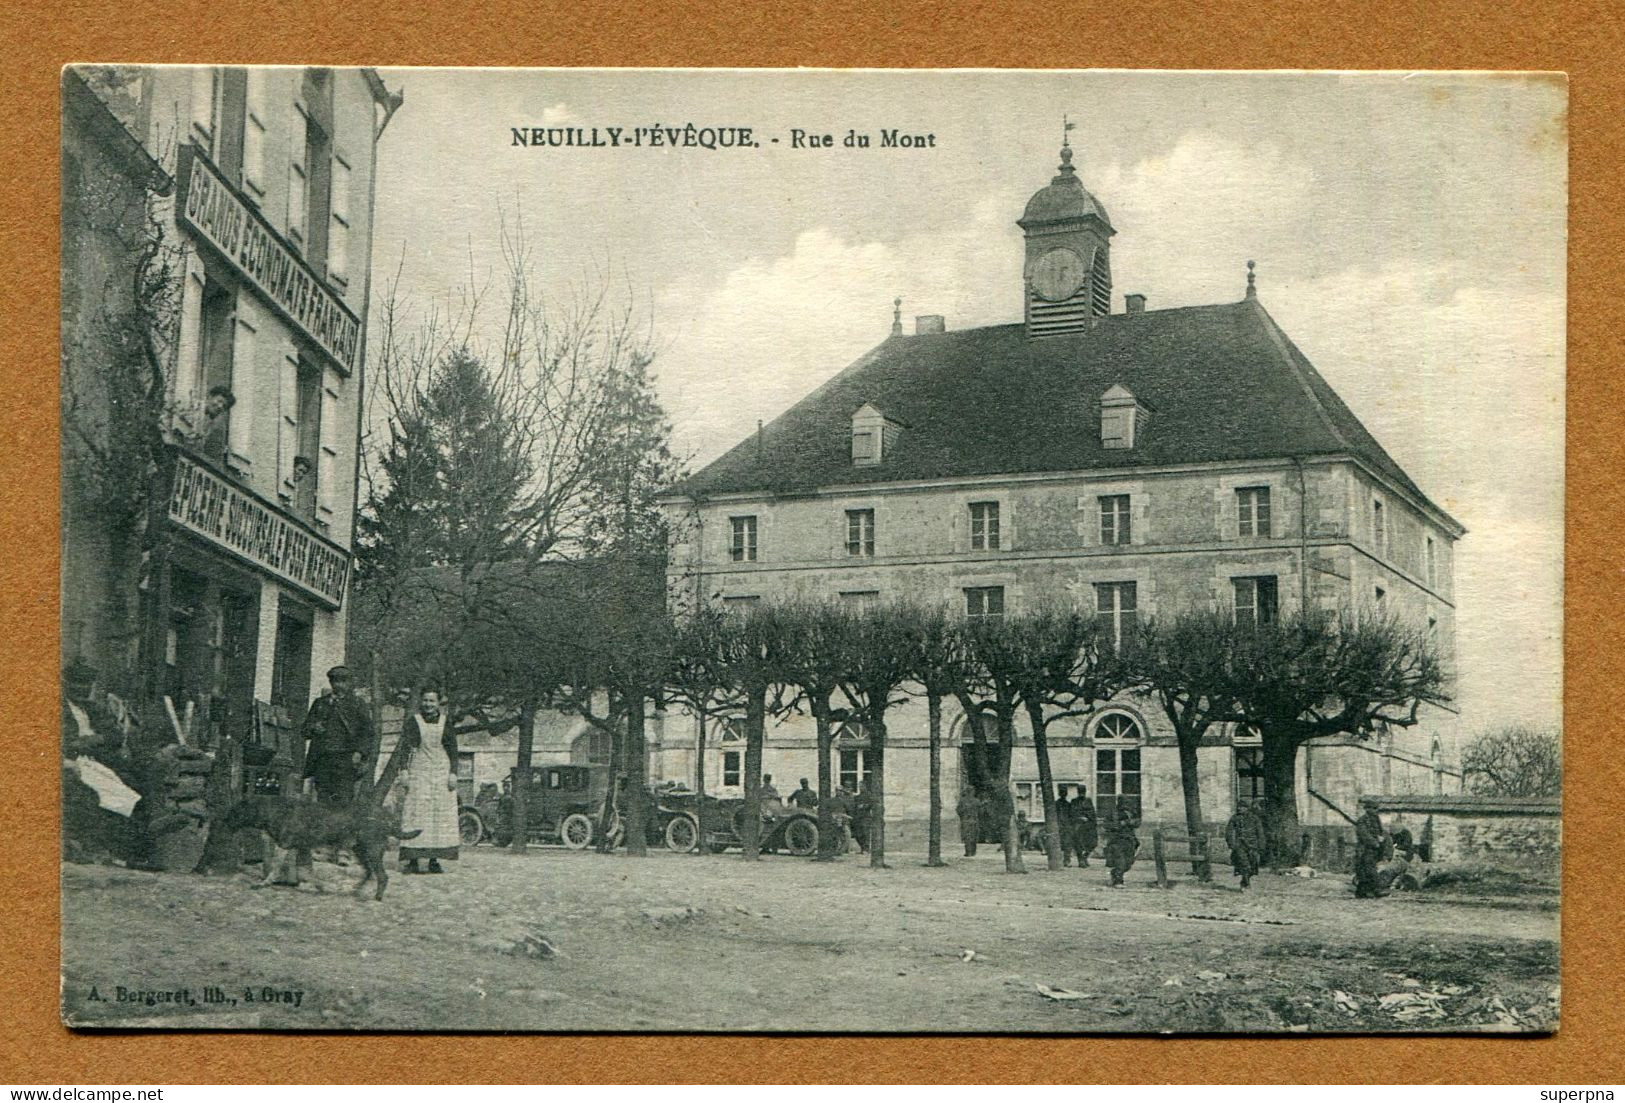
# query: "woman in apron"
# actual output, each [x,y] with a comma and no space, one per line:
[431,787]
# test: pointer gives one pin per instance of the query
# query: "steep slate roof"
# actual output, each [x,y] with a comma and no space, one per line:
[1220,382]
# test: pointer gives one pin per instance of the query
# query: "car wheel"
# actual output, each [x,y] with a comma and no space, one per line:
[470,828]
[576,831]
[801,837]
[681,834]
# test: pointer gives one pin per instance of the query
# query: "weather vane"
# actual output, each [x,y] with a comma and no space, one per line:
[1067,126]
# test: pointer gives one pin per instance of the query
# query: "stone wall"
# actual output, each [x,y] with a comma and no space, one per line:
[1515,832]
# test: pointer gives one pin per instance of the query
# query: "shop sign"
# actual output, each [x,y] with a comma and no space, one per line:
[214,210]
[229,517]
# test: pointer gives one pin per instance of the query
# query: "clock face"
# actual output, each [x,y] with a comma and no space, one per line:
[1058,274]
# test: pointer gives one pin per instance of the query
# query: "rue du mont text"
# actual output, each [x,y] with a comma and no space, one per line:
[690,136]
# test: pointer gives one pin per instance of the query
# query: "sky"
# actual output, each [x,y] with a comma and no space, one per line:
[1409,232]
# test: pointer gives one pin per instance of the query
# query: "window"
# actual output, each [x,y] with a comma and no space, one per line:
[860,600]
[1380,596]
[1257,600]
[733,773]
[742,546]
[1249,773]
[1431,556]
[465,776]
[303,474]
[299,183]
[1116,611]
[851,768]
[205,90]
[338,240]
[1379,529]
[863,446]
[984,526]
[1114,519]
[984,602]
[216,349]
[254,116]
[1253,510]
[290,664]
[231,112]
[317,156]
[860,532]
[1117,764]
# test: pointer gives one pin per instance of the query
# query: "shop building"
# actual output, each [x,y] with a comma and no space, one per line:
[241,571]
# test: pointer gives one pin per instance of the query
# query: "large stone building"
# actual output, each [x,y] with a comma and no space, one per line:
[1134,463]
[256,187]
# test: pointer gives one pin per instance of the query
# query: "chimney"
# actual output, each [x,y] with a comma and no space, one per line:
[929,323]
[1134,304]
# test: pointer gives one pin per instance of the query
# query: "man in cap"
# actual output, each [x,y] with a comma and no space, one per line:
[338,739]
[1368,843]
[1244,835]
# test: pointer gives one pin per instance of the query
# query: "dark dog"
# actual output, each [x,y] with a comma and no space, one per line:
[295,828]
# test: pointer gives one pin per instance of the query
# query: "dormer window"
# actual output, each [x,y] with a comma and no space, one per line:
[1122,418]
[873,435]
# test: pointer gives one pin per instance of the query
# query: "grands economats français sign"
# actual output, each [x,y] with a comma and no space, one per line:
[209,505]
[214,210]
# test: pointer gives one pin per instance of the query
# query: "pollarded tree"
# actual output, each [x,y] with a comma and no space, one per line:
[817,640]
[937,664]
[1186,665]
[876,663]
[751,664]
[695,679]
[1063,665]
[1317,674]
[994,662]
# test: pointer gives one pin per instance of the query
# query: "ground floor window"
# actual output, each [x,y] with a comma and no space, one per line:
[465,777]
[290,670]
[852,768]
[1117,765]
[1249,774]
[733,770]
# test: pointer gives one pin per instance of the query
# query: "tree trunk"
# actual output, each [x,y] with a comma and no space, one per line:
[933,846]
[877,784]
[1281,827]
[1013,862]
[1046,784]
[521,782]
[699,782]
[827,829]
[375,709]
[1190,780]
[755,722]
[617,764]
[637,844]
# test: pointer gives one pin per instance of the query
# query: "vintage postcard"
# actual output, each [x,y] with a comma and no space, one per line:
[841,551]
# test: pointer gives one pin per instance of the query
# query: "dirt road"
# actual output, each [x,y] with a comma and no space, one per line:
[565,941]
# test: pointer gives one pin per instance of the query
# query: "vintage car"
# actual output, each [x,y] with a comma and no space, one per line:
[718,823]
[562,806]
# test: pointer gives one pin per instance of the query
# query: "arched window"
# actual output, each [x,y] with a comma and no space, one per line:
[1117,738]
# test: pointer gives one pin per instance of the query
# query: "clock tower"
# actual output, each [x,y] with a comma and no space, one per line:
[1068,273]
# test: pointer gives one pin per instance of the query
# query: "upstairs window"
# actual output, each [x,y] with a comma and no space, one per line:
[1379,529]
[1122,418]
[1117,612]
[860,533]
[984,526]
[1114,519]
[1257,599]
[1431,555]
[864,450]
[1253,510]
[742,542]
[984,603]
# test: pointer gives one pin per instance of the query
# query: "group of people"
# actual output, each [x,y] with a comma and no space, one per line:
[339,749]
[851,812]
[1077,818]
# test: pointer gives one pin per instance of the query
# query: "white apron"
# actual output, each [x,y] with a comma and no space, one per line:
[430,806]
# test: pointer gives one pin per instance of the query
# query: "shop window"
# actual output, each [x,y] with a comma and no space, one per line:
[290,670]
